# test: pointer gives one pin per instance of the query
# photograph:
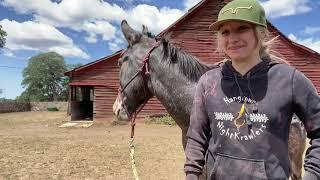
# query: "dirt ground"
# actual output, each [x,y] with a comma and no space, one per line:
[34,147]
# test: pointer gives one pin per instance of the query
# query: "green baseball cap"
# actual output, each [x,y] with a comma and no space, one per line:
[249,11]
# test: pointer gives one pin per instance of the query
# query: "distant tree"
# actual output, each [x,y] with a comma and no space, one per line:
[3,35]
[24,97]
[1,91]
[44,78]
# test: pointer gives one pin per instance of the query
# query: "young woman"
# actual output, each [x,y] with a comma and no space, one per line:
[242,111]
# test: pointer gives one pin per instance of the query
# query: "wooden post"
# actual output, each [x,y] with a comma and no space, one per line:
[69,100]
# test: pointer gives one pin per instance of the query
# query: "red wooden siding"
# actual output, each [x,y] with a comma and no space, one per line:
[105,73]
[105,97]
[103,102]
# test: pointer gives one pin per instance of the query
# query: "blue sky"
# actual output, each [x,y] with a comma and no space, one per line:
[85,30]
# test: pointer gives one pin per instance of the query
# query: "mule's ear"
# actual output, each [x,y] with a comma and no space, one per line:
[145,30]
[131,35]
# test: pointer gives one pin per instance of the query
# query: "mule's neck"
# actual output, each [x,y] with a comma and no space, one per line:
[175,93]
[174,89]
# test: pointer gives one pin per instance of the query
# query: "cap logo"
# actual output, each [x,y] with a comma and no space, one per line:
[235,10]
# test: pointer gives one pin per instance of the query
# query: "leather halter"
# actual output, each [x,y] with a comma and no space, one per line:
[144,72]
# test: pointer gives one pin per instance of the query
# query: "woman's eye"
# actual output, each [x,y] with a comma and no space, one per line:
[243,28]
[224,33]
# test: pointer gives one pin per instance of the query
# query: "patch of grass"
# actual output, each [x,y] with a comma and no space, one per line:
[52,109]
[119,123]
[161,119]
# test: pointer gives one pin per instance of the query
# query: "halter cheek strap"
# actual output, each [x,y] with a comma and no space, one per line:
[144,71]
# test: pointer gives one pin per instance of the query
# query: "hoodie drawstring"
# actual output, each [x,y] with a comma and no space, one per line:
[255,104]
[254,108]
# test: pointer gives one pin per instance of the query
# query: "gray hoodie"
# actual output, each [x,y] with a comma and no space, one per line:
[240,124]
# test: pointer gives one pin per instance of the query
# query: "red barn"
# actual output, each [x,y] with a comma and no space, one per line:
[94,86]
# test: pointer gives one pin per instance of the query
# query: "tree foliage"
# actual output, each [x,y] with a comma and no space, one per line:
[3,35]
[1,91]
[44,78]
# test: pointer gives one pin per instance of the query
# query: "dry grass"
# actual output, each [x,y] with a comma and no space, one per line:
[34,147]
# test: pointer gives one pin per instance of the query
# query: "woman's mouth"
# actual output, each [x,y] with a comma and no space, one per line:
[233,48]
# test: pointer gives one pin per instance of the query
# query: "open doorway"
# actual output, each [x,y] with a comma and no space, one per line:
[81,102]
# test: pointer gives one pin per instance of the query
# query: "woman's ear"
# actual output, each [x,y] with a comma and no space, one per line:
[263,34]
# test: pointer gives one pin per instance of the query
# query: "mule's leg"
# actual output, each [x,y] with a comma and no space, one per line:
[297,144]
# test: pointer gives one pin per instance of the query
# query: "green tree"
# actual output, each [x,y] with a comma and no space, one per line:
[3,35]
[44,78]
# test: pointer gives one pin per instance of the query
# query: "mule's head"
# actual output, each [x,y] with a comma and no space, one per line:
[137,91]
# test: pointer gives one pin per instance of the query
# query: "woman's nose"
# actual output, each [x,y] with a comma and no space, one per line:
[233,37]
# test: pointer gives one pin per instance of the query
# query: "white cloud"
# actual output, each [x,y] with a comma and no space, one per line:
[67,12]
[117,43]
[69,50]
[90,16]
[98,19]
[311,43]
[91,38]
[279,8]
[311,30]
[114,46]
[155,19]
[103,28]
[35,36]
[8,53]
[292,37]
[190,3]
[89,13]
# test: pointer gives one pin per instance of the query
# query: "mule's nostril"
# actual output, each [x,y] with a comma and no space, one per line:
[117,112]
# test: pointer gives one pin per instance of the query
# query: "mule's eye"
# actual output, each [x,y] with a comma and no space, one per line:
[119,62]
[122,60]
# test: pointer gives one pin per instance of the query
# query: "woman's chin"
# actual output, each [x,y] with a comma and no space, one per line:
[236,57]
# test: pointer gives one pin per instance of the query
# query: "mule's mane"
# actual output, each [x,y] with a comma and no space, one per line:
[182,61]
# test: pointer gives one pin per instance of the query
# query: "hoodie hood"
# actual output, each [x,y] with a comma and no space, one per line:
[252,85]
[258,70]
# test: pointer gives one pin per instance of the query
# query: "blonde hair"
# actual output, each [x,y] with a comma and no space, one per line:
[265,51]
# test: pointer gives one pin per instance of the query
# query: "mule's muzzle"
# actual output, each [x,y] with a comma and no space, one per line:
[121,115]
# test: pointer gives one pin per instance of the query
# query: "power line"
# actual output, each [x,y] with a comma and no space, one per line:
[11,67]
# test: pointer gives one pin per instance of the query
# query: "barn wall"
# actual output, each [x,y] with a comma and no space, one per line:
[103,102]
[194,36]
[106,73]
[303,60]
[105,97]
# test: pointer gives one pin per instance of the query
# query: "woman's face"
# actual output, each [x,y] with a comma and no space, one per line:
[237,40]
